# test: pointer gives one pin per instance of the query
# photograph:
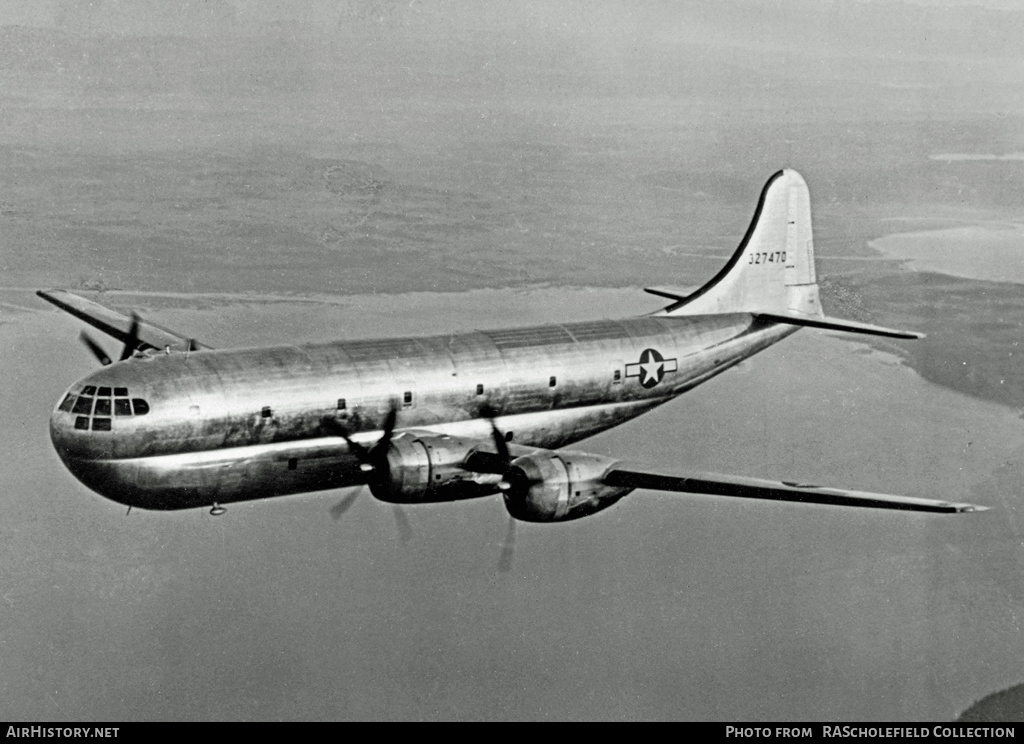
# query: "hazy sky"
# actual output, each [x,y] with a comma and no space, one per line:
[320,16]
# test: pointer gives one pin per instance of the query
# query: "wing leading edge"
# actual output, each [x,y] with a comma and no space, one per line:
[118,325]
[629,476]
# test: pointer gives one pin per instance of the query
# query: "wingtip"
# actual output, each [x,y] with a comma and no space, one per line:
[968,508]
[897,333]
[50,295]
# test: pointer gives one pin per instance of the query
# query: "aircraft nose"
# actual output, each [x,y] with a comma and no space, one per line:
[67,442]
[71,435]
[85,453]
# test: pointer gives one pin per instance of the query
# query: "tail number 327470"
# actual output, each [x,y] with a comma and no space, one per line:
[770,257]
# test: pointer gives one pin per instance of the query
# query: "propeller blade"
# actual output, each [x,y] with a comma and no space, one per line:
[95,348]
[339,509]
[338,430]
[508,547]
[376,459]
[402,523]
[132,342]
[389,429]
[500,443]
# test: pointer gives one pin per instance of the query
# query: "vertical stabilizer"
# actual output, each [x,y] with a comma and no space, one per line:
[772,270]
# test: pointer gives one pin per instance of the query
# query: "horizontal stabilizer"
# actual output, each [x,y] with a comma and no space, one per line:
[835,324]
[677,294]
[755,488]
[118,325]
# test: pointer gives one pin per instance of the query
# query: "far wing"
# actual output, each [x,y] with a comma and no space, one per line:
[629,476]
[113,323]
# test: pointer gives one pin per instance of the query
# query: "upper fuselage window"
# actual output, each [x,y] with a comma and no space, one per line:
[121,392]
[89,390]
[67,403]
[104,391]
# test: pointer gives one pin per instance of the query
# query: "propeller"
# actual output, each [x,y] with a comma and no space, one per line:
[500,443]
[499,462]
[374,462]
[496,462]
[339,509]
[508,548]
[402,523]
[95,348]
[405,533]
[131,343]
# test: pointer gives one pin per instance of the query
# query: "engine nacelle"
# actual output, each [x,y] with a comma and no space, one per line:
[559,486]
[425,469]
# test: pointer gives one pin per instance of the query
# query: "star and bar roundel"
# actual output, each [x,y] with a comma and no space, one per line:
[651,368]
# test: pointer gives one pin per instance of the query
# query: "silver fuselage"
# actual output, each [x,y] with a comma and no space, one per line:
[239,424]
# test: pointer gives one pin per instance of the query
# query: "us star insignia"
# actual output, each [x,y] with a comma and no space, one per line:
[651,368]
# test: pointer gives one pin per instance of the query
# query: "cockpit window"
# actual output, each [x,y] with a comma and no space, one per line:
[109,402]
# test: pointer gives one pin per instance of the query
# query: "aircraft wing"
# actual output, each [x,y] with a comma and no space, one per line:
[118,325]
[629,476]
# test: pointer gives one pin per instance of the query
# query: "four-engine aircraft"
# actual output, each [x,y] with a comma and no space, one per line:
[174,424]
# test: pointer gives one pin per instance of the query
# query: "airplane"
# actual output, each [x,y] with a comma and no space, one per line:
[174,424]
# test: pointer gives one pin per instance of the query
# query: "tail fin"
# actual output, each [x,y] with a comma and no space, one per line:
[772,272]
[773,269]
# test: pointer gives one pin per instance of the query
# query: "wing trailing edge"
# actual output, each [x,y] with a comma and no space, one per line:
[712,484]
